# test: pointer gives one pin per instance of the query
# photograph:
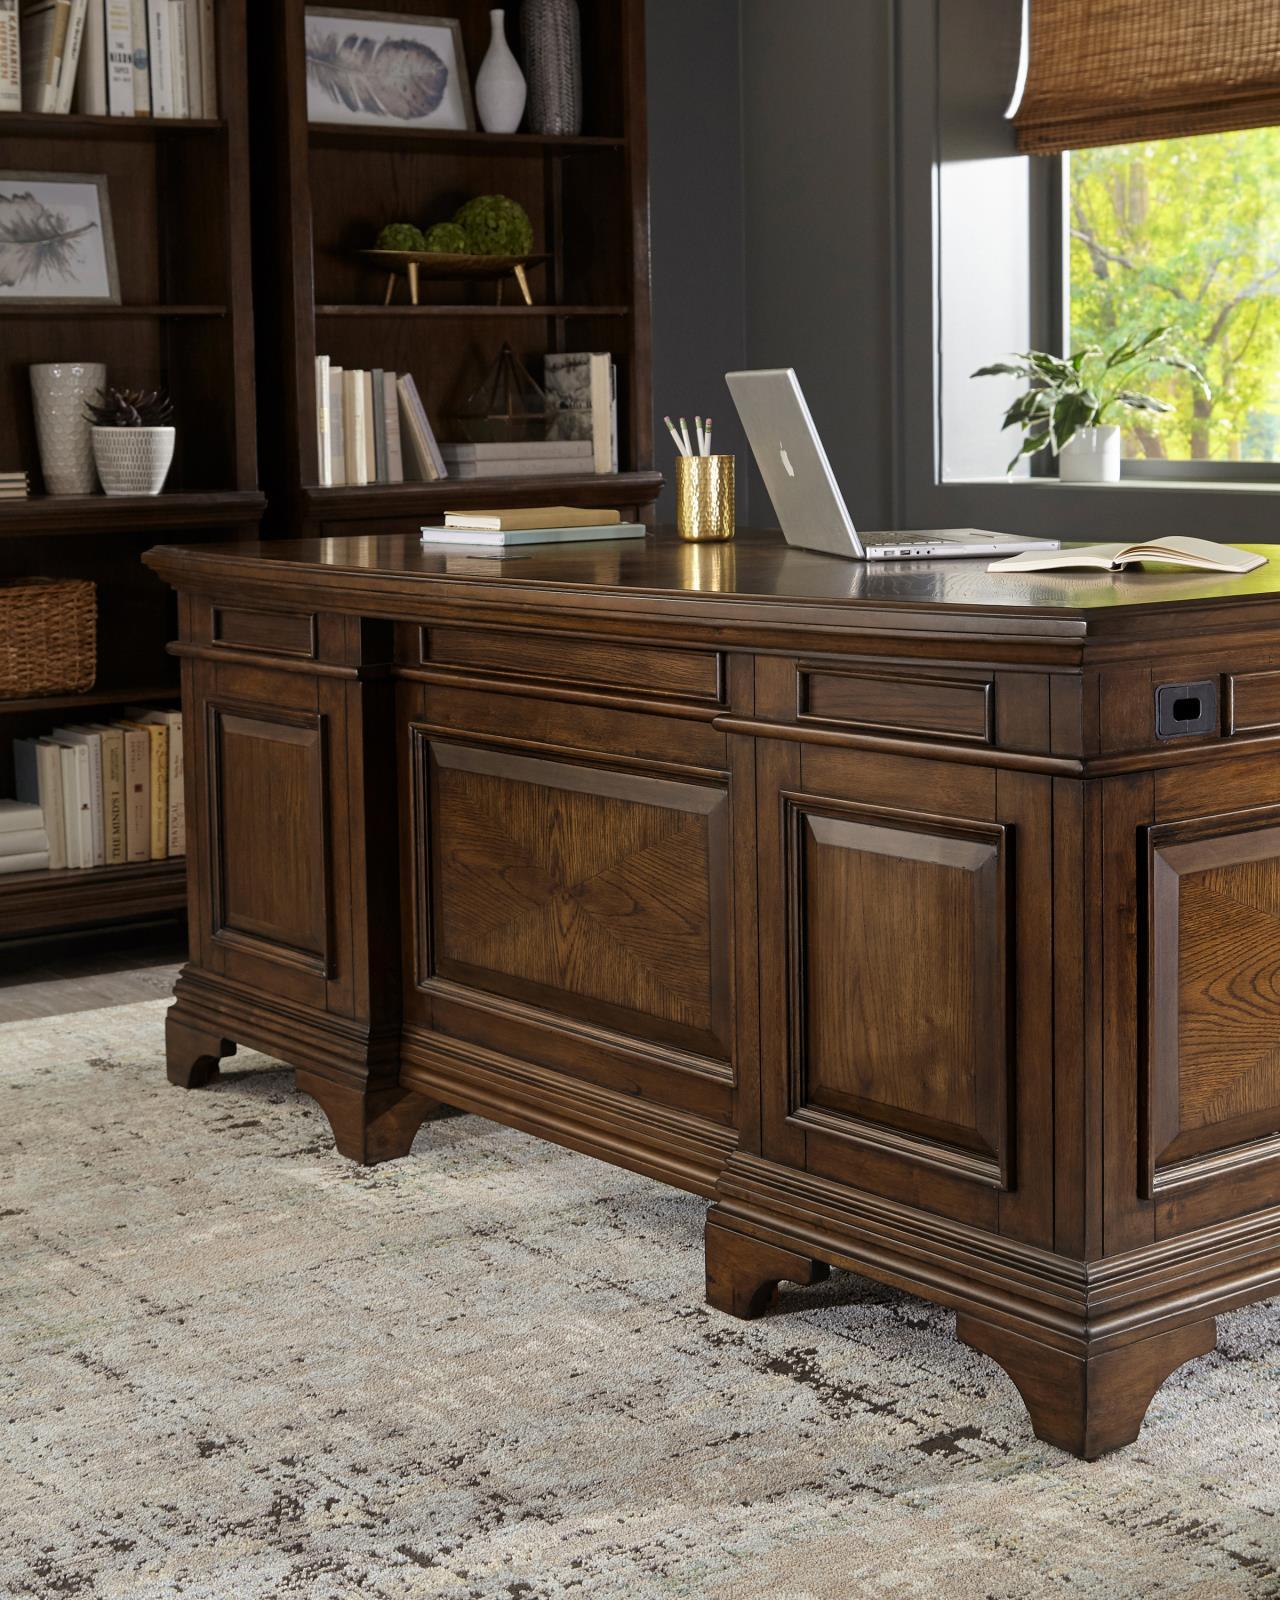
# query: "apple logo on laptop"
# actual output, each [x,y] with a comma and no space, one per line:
[786,460]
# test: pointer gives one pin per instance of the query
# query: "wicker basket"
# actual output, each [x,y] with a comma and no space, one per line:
[48,636]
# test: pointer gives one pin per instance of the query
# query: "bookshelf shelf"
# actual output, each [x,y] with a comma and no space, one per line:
[426,139]
[377,502]
[100,513]
[323,191]
[178,190]
[92,697]
[59,313]
[39,902]
[72,125]
[511,311]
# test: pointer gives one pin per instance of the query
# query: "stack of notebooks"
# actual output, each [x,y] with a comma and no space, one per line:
[538,458]
[119,58]
[24,843]
[537,525]
[14,486]
[371,427]
[107,793]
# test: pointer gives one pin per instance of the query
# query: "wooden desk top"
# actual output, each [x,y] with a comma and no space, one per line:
[756,578]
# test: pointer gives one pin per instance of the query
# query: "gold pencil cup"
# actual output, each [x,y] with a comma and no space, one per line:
[705,498]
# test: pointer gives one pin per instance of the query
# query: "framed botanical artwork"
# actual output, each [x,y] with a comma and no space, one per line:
[56,244]
[386,69]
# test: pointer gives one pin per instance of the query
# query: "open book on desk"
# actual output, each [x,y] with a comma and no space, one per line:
[1201,554]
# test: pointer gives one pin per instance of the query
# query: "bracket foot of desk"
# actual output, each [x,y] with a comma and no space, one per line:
[743,1273]
[370,1125]
[191,1054]
[1090,1404]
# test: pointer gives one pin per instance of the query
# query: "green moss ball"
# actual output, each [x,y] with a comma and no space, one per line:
[447,238]
[401,236]
[496,226]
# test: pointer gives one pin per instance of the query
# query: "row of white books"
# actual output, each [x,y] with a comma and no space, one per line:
[107,793]
[119,58]
[372,427]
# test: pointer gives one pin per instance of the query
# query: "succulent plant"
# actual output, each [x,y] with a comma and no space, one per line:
[448,239]
[131,408]
[496,226]
[401,236]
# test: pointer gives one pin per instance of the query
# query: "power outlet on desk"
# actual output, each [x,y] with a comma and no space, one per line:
[1186,708]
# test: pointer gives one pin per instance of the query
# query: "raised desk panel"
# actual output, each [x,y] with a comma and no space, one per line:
[893,926]
[269,820]
[592,893]
[898,918]
[1214,1002]
[574,908]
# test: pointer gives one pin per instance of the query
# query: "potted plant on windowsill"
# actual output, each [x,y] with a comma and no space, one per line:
[132,440]
[1070,401]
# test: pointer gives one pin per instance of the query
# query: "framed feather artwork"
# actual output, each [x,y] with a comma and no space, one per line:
[56,244]
[385,69]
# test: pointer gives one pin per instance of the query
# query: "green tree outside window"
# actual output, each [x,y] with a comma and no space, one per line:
[1186,232]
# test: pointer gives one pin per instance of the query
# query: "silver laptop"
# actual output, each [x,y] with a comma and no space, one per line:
[806,496]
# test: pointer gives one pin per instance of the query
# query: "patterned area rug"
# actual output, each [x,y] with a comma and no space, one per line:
[234,1366]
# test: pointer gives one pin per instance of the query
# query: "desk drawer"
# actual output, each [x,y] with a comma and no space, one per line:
[631,668]
[518,720]
[261,632]
[890,702]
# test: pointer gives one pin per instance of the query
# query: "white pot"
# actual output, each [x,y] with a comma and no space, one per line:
[1091,455]
[500,85]
[133,460]
[60,390]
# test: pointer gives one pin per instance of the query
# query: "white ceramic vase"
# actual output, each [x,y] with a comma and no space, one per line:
[500,86]
[60,392]
[133,460]
[1091,455]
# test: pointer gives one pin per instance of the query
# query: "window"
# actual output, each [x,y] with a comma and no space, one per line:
[1185,232]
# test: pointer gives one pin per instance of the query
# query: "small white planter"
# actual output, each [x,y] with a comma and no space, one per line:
[133,460]
[1091,456]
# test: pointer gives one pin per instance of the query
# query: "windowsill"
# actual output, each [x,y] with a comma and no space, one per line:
[1165,485]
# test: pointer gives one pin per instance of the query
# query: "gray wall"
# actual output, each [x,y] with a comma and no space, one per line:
[771,205]
[696,216]
[817,110]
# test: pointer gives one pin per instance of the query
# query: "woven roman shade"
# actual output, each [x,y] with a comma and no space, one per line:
[1118,71]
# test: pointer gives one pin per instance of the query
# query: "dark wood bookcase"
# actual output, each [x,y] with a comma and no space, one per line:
[323,191]
[179,195]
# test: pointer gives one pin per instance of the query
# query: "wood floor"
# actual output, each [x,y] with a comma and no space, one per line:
[50,977]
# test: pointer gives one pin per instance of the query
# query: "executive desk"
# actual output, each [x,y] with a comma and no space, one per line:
[869,901]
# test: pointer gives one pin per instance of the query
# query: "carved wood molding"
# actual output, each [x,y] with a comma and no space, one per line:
[1076,1305]
[662,1142]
